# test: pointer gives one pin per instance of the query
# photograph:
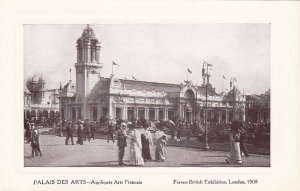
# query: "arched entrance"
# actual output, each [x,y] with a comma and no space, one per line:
[189,106]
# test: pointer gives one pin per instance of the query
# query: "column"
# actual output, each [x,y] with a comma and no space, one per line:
[226,116]
[165,113]
[135,111]
[76,113]
[156,113]
[244,113]
[147,113]
[124,113]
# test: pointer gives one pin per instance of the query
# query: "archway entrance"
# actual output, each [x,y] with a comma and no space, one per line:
[189,109]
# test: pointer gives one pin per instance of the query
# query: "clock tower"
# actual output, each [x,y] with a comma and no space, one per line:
[88,69]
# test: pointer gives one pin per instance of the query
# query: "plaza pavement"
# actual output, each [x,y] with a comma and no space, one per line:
[99,153]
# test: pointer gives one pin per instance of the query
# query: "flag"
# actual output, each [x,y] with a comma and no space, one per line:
[224,77]
[70,70]
[209,64]
[115,64]
[203,71]
[133,78]
[189,71]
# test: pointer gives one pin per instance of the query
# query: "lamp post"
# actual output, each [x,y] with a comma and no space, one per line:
[206,74]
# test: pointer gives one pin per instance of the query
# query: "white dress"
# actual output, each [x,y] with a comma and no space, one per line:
[136,158]
[235,152]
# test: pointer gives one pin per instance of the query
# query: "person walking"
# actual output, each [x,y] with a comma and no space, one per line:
[69,133]
[35,144]
[179,128]
[146,139]
[234,136]
[93,129]
[121,143]
[243,135]
[135,158]
[87,130]
[27,131]
[80,133]
[160,152]
[110,131]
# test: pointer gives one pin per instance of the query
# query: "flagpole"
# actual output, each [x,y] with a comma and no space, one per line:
[112,68]
[222,85]
[70,74]
[187,75]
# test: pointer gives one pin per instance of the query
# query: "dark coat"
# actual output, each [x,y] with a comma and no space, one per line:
[121,139]
[69,130]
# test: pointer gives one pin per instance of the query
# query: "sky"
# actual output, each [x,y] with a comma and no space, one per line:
[156,52]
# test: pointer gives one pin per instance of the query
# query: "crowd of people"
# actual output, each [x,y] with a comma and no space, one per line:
[140,139]
[137,136]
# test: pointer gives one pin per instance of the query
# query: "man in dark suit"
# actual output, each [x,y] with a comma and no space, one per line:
[69,132]
[93,129]
[87,130]
[110,131]
[121,143]
[35,144]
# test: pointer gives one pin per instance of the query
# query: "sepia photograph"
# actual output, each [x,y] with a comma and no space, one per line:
[147,95]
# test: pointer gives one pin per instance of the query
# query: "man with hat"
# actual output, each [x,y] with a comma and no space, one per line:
[121,142]
[110,130]
[69,132]
[93,129]
[35,145]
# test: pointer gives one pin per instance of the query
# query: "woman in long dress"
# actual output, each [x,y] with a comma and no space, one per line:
[146,138]
[235,152]
[136,158]
[161,141]
[80,134]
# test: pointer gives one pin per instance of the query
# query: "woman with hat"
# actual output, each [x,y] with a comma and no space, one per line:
[161,141]
[136,158]
[235,153]
[80,133]
[146,139]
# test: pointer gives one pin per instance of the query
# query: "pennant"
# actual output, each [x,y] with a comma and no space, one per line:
[189,71]
[224,77]
[133,78]
[115,64]
[70,70]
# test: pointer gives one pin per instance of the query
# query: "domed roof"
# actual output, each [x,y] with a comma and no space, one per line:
[87,34]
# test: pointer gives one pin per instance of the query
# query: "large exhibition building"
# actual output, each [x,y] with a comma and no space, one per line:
[96,97]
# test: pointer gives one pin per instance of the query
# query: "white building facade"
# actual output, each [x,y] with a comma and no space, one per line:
[97,98]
